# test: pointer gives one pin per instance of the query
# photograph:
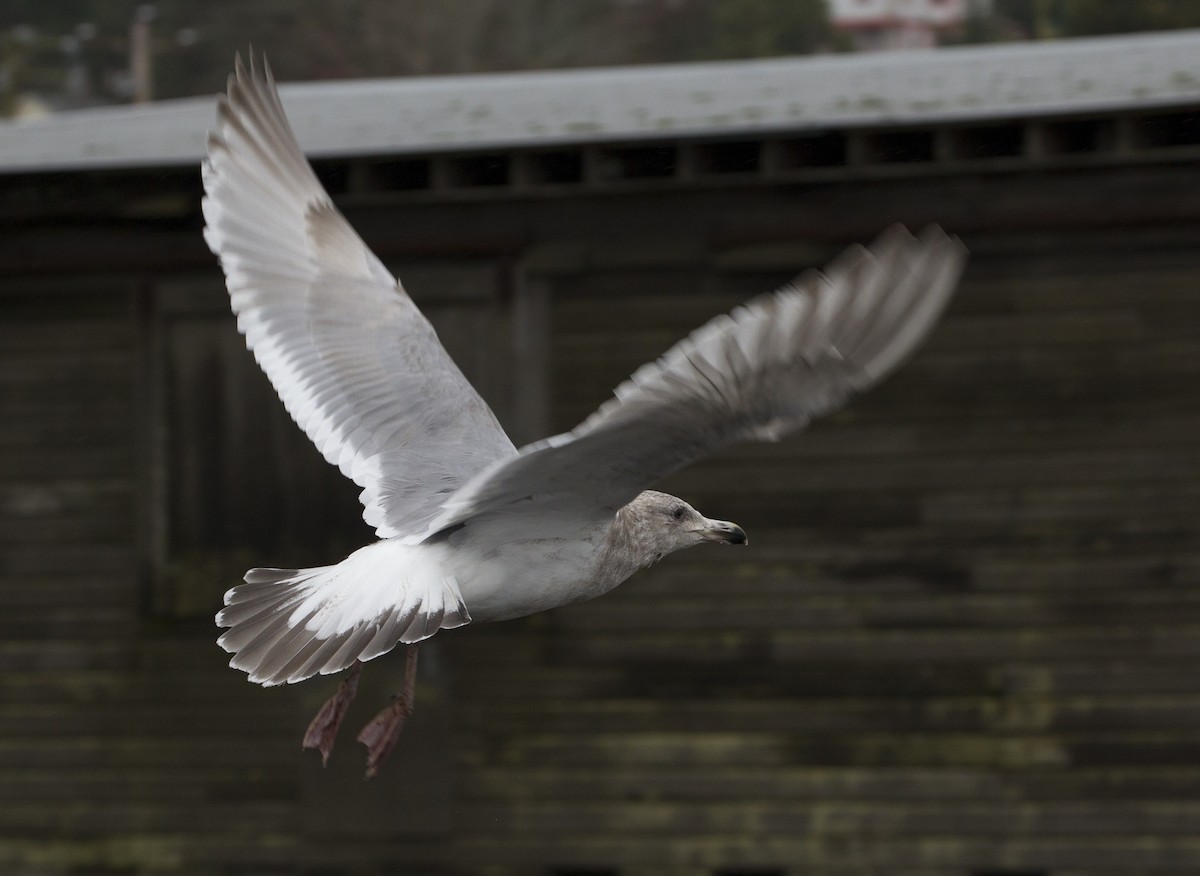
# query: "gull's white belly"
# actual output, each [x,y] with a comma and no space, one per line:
[502,579]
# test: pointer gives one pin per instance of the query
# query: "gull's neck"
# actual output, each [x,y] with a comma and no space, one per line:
[629,546]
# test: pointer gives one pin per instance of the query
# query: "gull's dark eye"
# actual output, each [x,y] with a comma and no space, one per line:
[678,512]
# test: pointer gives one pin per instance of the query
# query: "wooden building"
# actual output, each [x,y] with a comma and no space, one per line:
[964,640]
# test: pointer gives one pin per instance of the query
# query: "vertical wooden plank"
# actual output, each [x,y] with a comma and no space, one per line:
[530,386]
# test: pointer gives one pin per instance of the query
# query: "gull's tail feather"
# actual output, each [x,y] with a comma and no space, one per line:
[286,625]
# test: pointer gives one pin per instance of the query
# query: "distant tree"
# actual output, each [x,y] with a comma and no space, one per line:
[1054,18]
[1081,17]
[762,28]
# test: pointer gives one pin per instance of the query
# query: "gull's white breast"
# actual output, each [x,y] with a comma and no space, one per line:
[503,572]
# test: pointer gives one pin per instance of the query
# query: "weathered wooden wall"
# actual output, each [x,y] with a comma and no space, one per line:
[965,638]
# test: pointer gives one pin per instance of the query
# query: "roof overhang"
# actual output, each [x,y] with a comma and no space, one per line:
[628,104]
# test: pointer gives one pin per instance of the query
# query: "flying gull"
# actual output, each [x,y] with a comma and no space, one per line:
[471,528]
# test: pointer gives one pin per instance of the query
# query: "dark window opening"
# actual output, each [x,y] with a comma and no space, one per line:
[821,150]
[235,482]
[555,168]
[1079,136]
[899,147]
[731,157]
[638,162]
[333,175]
[401,175]
[1169,129]
[241,484]
[990,141]
[476,171]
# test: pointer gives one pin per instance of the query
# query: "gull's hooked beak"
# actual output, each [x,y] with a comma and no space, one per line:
[724,532]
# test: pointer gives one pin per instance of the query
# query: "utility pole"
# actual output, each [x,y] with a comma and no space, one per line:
[141,54]
[14,52]
[1043,24]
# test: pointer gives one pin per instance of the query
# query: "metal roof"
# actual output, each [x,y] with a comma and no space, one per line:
[457,113]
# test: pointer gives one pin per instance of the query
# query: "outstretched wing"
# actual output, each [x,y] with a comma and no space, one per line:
[758,374]
[356,364]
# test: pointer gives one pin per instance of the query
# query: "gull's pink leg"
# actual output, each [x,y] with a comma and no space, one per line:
[323,730]
[382,731]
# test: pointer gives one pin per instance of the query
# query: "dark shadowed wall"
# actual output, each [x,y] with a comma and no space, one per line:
[964,639]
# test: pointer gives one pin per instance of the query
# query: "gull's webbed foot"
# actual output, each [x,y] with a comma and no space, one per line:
[382,731]
[323,730]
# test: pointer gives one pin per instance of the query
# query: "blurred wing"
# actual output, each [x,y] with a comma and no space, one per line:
[356,364]
[758,374]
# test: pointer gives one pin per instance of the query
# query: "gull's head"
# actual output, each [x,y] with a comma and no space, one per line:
[666,523]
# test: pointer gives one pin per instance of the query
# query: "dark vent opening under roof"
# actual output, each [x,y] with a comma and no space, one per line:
[477,171]
[728,157]
[637,162]
[560,167]
[818,150]
[1170,129]
[989,141]
[400,175]
[333,175]
[899,147]
[1079,136]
